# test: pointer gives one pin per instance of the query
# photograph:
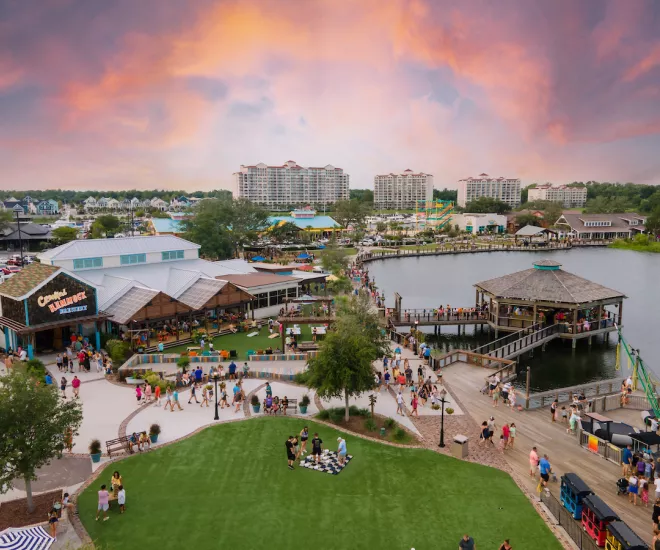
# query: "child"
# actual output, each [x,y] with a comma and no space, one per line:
[645,491]
[121,499]
[564,415]
[500,446]
[145,441]
[512,434]
[205,397]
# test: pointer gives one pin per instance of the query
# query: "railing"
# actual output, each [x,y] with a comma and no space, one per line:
[565,395]
[599,446]
[500,342]
[505,368]
[526,341]
[565,519]
[431,315]
[512,322]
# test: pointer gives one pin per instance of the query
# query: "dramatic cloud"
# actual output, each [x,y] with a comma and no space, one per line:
[160,93]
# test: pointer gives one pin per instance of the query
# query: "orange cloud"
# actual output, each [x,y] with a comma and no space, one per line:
[650,61]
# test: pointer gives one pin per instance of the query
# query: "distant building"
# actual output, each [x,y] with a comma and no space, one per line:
[568,196]
[31,235]
[502,189]
[401,191]
[600,226]
[291,184]
[48,208]
[480,223]
[307,220]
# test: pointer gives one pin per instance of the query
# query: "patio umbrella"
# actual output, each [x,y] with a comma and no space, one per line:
[302,256]
[306,267]
[34,538]
[321,246]
[258,259]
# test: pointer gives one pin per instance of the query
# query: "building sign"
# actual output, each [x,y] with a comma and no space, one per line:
[62,298]
[59,301]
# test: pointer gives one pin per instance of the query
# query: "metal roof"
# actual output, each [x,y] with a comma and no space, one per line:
[531,231]
[317,222]
[201,292]
[94,248]
[167,225]
[133,301]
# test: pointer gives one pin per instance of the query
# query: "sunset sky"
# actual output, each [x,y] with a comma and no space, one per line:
[117,94]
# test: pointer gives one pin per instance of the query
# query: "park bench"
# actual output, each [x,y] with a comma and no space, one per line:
[293,406]
[119,444]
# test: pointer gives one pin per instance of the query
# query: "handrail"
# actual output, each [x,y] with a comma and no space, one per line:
[564,395]
[511,337]
[527,340]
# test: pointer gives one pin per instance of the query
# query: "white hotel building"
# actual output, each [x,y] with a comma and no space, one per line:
[568,196]
[502,189]
[401,191]
[291,184]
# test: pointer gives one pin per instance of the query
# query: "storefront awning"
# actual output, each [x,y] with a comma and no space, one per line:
[20,328]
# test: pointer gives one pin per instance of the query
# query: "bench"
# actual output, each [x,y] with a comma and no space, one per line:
[119,444]
[293,406]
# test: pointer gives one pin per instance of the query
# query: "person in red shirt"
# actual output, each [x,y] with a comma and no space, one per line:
[81,360]
[505,433]
[401,379]
[75,384]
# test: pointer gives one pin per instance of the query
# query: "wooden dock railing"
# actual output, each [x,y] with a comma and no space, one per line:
[565,395]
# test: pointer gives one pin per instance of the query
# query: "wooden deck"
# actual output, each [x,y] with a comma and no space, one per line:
[534,428]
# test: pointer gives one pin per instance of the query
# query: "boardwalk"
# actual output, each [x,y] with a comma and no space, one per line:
[534,428]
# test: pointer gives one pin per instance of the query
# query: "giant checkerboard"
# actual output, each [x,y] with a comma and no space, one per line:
[328,463]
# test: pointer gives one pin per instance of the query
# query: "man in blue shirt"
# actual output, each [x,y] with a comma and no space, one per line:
[232,370]
[49,379]
[626,460]
[198,375]
[545,469]
[427,353]
[341,450]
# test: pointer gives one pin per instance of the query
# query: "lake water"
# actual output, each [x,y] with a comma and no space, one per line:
[429,281]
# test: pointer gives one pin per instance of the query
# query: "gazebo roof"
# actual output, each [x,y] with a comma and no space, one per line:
[546,282]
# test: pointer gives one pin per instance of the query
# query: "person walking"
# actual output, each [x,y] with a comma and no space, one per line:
[75,384]
[193,393]
[304,436]
[157,395]
[63,384]
[483,436]
[205,397]
[633,488]
[553,411]
[147,392]
[533,462]
[175,400]
[317,448]
[121,499]
[414,403]
[138,394]
[506,433]
[512,435]
[496,395]
[341,450]
[544,469]
[399,404]
[168,399]
[467,543]
[104,503]
[59,362]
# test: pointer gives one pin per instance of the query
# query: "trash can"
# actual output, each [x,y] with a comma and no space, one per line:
[459,448]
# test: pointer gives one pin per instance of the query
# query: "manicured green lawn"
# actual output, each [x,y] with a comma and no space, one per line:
[241,343]
[229,487]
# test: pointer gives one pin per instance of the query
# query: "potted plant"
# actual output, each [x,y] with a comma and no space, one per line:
[449,410]
[154,431]
[95,450]
[435,407]
[304,403]
[183,362]
[255,403]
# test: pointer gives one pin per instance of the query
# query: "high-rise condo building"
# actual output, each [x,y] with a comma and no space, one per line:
[400,191]
[291,185]
[568,196]
[502,189]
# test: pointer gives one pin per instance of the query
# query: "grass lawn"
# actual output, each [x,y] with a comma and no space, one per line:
[229,487]
[241,343]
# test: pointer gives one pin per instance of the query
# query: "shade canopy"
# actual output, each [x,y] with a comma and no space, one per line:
[547,282]
[258,259]
[303,256]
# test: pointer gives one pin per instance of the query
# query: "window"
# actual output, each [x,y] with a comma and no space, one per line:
[172,255]
[261,300]
[277,297]
[88,263]
[129,259]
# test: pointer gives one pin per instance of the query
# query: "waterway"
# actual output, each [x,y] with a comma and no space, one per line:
[429,281]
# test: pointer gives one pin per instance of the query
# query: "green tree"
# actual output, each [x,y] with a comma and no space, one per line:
[343,367]
[527,219]
[104,226]
[63,235]
[607,205]
[33,422]
[340,285]
[5,219]
[486,205]
[445,195]
[334,259]
[245,220]
[362,195]
[381,227]
[653,222]
[283,232]
[351,212]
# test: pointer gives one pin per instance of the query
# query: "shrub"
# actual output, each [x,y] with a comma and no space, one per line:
[304,402]
[118,350]
[36,368]
[94,447]
[370,425]
[164,384]
[363,412]
[399,434]
[254,400]
[390,423]
[301,378]
[324,414]
[183,362]
[449,410]
[154,429]
[435,407]
[152,380]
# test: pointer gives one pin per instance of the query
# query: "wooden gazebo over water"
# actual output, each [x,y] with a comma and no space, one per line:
[547,295]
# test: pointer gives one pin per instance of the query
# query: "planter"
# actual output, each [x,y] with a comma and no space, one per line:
[96,457]
[303,409]
[154,438]
[255,408]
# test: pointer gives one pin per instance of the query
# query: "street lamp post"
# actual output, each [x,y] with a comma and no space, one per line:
[215,379]
[442,418]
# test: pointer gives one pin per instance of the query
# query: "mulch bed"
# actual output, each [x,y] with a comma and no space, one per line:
[14,513]
[357,424]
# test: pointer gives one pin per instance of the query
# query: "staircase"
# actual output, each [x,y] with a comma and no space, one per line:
[521,342]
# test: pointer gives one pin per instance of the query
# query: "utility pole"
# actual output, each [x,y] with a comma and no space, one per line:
[20,238]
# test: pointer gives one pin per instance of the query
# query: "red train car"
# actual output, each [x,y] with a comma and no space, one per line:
[596,516]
